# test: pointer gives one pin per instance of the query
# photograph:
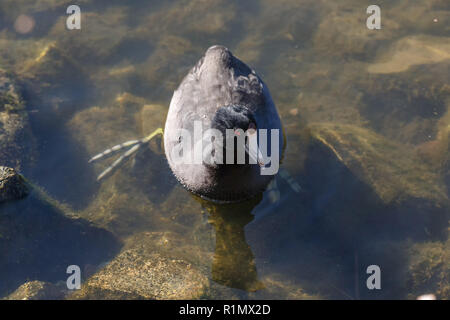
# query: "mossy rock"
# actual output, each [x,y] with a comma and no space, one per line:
[394,171]
[95,44]
[140,189]
[276,286]
[12,185]
[54,83]
[39,5]
[191,18]
[10,99]
[410,51]
[146,270]
[429,269]
[97,127]
[343,32]
[38,290]
[17,143]
[404,93]
[415,268]
[437,152]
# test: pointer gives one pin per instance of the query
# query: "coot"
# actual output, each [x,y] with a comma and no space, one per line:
[221,92]
[223,137]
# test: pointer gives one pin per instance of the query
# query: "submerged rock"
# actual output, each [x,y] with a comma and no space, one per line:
[437,151]
[55,83]
[10,99]
[40,238]
[95,43]
[407,106]
[38,290]
[412,51]
[343,33]
[394,171]
[149,267]
[415,268]
[98,127]
[429,269]
[196,17]
[130,196]
[12,185]
[17,145]
[357,188]
[276,285]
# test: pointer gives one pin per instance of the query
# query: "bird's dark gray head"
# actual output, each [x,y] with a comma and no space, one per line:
[233,117]
[235,123]
[218,55]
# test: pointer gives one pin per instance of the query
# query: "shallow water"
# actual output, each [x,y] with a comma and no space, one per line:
[366,114]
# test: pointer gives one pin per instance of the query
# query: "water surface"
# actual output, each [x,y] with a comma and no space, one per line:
[366,116]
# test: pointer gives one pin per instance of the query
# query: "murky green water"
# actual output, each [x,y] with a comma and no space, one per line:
[367,120]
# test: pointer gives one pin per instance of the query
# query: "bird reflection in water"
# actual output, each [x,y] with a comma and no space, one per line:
[233,263]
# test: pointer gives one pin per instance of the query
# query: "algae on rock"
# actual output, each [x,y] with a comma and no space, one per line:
[412,51]
[393,170]
[429,269]
[38,290]
[12,185]
[145,182]
[17,143]
[146,270]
